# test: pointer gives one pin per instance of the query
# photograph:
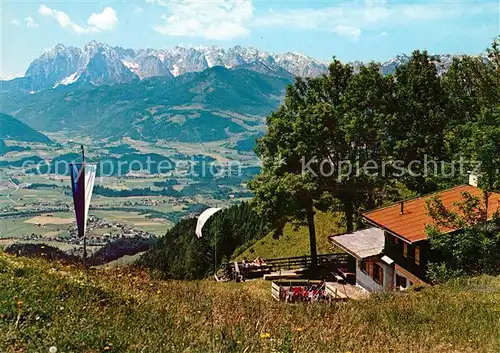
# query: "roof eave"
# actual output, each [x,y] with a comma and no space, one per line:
[388,230]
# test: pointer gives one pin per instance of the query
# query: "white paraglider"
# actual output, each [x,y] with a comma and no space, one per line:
[203,218]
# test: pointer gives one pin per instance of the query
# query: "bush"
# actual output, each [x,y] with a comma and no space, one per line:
[471,251]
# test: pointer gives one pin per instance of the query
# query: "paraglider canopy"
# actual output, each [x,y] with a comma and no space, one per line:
[203,218]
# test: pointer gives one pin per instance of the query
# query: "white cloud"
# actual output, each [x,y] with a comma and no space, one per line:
[97,22]
[30,22]
[368,15]
[64,20]
[383,34]
[299,18]
[219,20]
[105,20]
[138,9]
[15,22]
[346,31]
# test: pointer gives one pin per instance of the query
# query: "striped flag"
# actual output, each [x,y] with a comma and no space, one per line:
[82,184]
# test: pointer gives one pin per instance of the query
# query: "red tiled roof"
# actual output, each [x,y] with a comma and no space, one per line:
[411,224]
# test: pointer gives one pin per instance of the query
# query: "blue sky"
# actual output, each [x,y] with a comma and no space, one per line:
[350,30]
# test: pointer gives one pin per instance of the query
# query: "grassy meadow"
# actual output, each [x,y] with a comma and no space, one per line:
[123,310]
[295,240]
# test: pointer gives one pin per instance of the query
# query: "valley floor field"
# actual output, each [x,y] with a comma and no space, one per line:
[124,310]
[36,203]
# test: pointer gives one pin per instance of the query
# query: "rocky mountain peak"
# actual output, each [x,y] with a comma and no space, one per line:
[98,63]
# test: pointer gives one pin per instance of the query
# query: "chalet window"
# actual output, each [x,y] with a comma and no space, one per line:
[378,274]
[396,240]
[400,281]
[405,250]
[364,267]
[417,255]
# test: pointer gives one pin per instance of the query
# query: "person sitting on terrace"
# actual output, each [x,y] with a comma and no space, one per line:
[245,268]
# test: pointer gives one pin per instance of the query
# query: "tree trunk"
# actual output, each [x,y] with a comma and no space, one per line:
[312,237]
[370,203]
[486,196]
[349,215]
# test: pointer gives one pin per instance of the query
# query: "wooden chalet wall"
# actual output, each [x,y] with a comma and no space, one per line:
[395,250]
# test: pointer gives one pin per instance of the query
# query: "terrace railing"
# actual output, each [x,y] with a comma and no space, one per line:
[333,261]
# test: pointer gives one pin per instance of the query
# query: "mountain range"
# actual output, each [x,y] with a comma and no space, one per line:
[98,63]
[184,94]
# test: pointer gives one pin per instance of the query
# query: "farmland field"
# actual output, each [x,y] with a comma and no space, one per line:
[36,203]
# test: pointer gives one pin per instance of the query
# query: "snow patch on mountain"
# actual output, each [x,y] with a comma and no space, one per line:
[70,79]
[132,66]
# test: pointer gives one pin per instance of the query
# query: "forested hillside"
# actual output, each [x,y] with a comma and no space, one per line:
[13,129]
[179,254]
[195,107]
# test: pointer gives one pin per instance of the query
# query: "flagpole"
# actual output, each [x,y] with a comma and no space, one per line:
[84,237]
[215,255]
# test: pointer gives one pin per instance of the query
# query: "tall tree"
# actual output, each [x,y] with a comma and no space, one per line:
[317,145]
[418,129]
[283,192]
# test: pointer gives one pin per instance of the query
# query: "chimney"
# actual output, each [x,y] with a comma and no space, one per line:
[402,210]
[473,179]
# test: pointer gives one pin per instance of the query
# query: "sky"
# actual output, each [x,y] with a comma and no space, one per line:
[349,30]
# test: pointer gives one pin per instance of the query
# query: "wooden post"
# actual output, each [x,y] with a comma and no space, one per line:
[84,251]
[84,235]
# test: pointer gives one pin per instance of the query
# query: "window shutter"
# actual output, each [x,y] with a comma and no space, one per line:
[417,255]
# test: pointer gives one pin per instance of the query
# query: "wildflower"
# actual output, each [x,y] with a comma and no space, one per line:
[238,342]
[265,335]
[299,329]
[53,349]
[106,348]
[20,304]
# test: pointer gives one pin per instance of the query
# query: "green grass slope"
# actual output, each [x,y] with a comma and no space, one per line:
[13,129]
[295,241]
[44,304]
